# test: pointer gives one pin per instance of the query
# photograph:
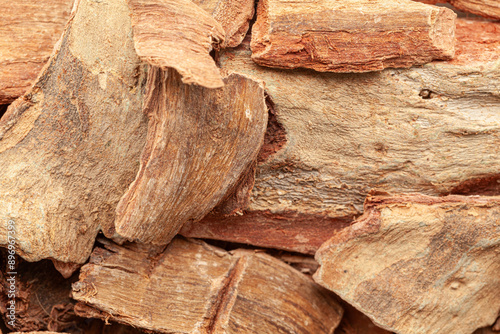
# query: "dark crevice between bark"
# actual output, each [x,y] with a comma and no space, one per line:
[484,186]
[3,109]
[275,137]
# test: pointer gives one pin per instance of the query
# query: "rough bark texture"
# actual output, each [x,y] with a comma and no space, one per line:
[432,130]
[29,31]
[199,143]
[192,287]
[177,34]
[42,298]
[419,264]
[233,15]
[351,36]
[71,146]
[486,8]
[355,322]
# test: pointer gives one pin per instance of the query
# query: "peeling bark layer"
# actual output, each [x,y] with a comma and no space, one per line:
[199,143]
[71,146]
[424,130]
[29,31]
[419,264]
[192,287]
[177,34]
[233,15]
[351,36]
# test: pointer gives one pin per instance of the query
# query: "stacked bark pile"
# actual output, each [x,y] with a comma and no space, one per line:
[250,167]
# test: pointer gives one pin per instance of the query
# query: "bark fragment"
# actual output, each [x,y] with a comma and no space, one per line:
[233,15]
[419,264]
[351,36]
[486,8]
[199,143]
[348,134]
[29,31]
[177,34]
[71,146]
[192,287]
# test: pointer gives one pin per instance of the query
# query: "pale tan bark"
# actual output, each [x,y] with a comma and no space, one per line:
[419,264]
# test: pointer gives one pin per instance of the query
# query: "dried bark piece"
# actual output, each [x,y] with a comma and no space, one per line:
[192,287]
[350,133]
[70,148]
[199,143]
[233,15]
[286,230]
[419,264]
[486,8]
[355,322]
[177,34]
[351,36]
[29,31]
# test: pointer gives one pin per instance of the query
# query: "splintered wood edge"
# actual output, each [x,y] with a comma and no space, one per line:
[154,39]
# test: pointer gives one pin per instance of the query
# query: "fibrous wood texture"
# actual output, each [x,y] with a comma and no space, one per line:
[487,8]
[419,264]
[42,299]
[177,34]
[233,15]
[192,287]
[351,36]
[199,143]
[71,146]
[29,31]
[432,130]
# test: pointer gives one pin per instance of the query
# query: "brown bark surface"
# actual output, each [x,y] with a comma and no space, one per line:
[192,287]
[199,143]
[70,148]
[419,264]
[351,36]
[177,34]
[29,31]
[411,130]
[486,8]
[233,15]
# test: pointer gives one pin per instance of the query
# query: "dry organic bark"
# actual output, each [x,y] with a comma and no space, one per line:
[486,8]
[431,130]
[42,298]
[233,15]
[419,264]
[177,34]
[192,287]
[199,143]
[71,146]
[29,31]
[351,35]
[355,322]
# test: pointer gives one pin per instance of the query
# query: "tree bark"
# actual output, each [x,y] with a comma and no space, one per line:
[351,36]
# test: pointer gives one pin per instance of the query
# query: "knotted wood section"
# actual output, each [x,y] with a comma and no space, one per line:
[199,143]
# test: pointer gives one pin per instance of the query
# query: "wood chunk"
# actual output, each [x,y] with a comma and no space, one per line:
[177,34]
[351,35]
[408,130]
[419,264]
[486,8]
[29,31]
[233,15]
[70,147]
[199,143]
[192,287]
